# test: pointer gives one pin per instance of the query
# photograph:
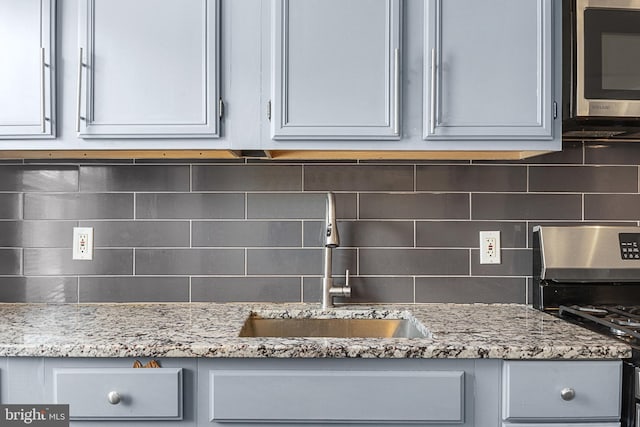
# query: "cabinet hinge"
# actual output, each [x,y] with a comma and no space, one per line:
[220,107]
[555,110]
[269,110]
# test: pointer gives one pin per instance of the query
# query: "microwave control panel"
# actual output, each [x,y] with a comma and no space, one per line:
[629,245]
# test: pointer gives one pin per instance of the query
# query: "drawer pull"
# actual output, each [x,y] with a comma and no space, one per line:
[113,397]
[567,393]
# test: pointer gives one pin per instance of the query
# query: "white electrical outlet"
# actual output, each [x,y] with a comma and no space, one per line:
[490,247]
[83,243]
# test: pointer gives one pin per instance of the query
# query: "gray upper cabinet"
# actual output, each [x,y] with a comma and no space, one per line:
[488,68]
[148,69]
[27,69]
[335,69]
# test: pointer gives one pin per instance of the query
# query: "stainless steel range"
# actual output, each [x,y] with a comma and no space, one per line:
[590,275]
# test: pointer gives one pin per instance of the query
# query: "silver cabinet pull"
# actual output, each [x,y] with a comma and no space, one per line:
[396,98]
[567,393]
[43,119]
[79,94]
[432,112]
[114,397]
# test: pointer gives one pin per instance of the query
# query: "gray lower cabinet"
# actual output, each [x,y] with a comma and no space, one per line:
[302,392]
[148,69]
[489,69]
[565,393]
[104,393]
[27,69]
[335,68]
[107,391]
[257,392]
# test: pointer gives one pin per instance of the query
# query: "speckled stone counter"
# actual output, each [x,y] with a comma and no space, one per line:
[501,331]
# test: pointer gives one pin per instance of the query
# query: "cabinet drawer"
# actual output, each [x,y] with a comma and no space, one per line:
[141,393]
[333,396]
[532,390]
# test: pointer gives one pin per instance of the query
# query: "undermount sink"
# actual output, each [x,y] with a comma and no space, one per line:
[257,326]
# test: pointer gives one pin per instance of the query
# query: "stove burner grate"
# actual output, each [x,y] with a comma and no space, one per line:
[619,321]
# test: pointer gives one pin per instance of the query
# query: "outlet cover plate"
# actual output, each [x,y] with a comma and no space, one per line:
[83,243]
[490,247]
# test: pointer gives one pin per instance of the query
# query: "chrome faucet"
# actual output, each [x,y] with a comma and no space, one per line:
[331,240]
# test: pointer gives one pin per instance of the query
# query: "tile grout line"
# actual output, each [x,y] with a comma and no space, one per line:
[301,289]
[414,289]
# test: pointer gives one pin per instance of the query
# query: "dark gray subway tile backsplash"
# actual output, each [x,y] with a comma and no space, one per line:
[405,262]
[612,154]
[10,261]
[358,178]
[246,289]
[244,231]
[134,178]
[414,206]
[298,205]
[465,234]
[189,261]
[515,262]
[78,206]
[247,178]
[34,178]
[37,234]
[471,178]
[521,206]
[584,179]
[140,289]
[39,289]
[297,261]
[247,233]
[189,206]
[139,234]
[365,290]
[363,233]
[610,207]
[471,289]
[58,262]
[10,205]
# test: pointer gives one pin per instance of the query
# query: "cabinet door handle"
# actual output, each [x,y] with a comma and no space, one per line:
[432,112]
[396,88]
[79,93]
[43,119]
[114,397]
[567,393]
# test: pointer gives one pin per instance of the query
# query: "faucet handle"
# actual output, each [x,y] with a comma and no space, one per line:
[346,290]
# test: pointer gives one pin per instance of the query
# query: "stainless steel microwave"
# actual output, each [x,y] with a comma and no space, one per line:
[601,56]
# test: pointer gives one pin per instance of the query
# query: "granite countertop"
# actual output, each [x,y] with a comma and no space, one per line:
[502,331]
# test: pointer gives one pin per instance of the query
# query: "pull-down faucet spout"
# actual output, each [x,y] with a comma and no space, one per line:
[331,240]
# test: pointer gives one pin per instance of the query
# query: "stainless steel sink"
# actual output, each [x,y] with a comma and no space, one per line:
[256,326]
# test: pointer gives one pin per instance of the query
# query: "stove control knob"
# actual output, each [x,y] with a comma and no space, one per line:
[567,393]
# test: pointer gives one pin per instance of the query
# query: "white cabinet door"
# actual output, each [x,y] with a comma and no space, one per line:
[148,69]
[488,69]
[27,69]
[335,69]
